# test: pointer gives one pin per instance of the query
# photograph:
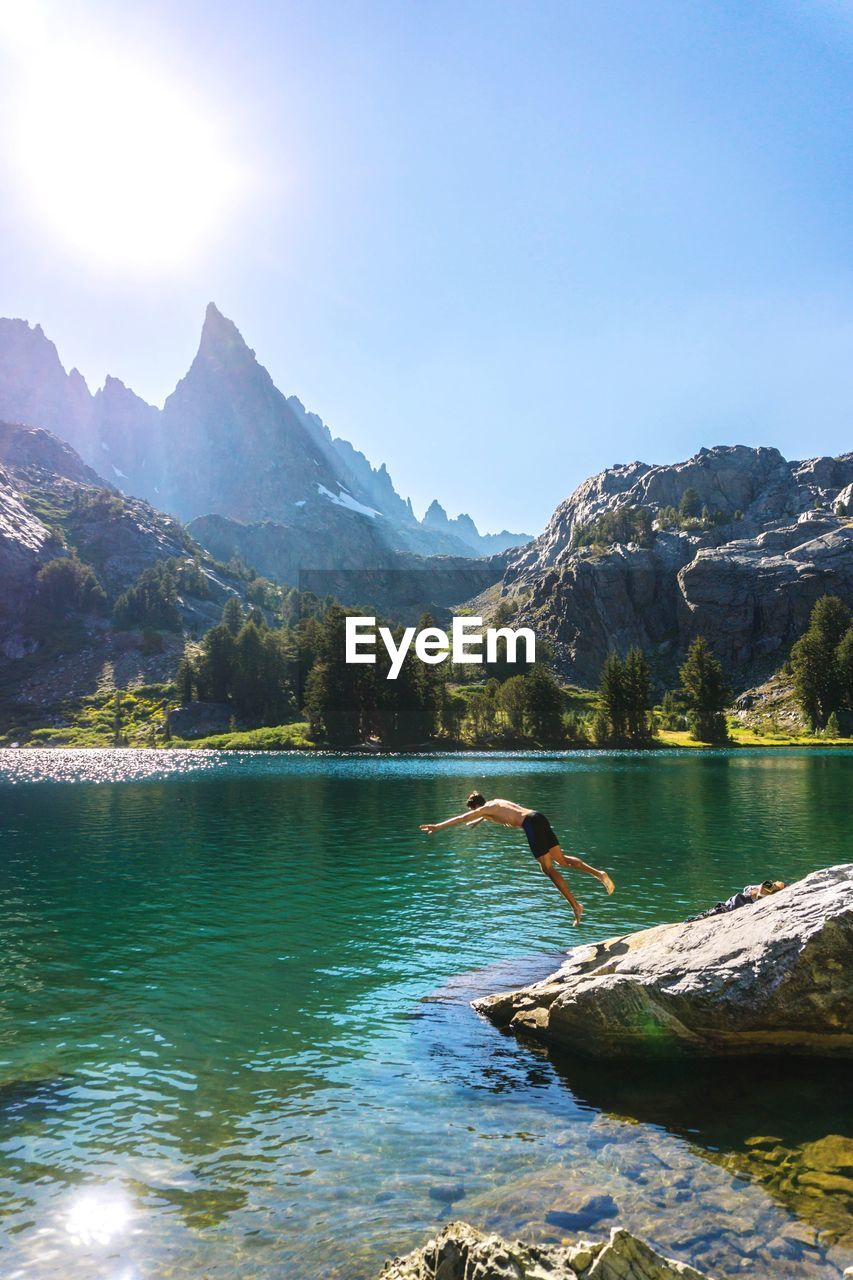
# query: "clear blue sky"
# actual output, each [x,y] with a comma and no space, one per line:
[497,245]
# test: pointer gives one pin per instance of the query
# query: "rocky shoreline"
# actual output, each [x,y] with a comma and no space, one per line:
[773,978]
[460,1252]
[770,979]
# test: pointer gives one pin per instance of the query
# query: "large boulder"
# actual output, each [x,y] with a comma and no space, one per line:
[460,1252]
[771,978]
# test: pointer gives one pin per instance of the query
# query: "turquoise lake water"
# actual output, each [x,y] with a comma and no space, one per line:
[235,1038]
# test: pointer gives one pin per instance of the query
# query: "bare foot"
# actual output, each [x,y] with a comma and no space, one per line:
[607,882]
[578,913]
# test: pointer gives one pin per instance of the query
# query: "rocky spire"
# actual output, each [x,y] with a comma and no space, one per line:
[221,340]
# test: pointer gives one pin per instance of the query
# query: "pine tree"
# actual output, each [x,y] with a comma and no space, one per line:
[817,661]
[232,615]
[690,505]
[612,700]
[251,677]
[216,665]
[637,681]
[544,706]
[184,681]
[482,708]
[340,697]
[513,703]
[602,730]
[830,619]
[63,585]
[408,706]
[844,663]
[704,692]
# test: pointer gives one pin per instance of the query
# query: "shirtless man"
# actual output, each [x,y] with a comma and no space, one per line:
[544,844]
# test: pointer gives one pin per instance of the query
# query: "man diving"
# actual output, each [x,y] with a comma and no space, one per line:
[544,844]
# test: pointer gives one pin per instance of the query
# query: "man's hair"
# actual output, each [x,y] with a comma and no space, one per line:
[475,800]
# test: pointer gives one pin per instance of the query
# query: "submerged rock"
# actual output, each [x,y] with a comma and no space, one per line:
[460,1252]
[771,978]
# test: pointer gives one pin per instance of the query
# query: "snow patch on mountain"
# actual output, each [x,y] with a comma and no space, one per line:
[344,499]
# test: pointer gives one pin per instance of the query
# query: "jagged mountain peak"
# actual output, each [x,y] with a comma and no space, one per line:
[115,391]
[226,441]
[221,339]
[435,514]
[20,335]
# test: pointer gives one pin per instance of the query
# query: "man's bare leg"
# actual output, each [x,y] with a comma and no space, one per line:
[559,883]
[567,860]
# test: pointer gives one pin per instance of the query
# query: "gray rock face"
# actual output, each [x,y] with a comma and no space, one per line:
[22,446]
[35,389]
[774,977]
[25,545]
[460,1252]
[753,597]
[43,479]
[820,480]
[747,584]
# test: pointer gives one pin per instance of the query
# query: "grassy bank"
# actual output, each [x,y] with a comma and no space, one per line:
[740,736]
[137,718]
[127,717]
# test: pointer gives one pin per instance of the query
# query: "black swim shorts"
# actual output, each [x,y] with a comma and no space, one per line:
[540,834]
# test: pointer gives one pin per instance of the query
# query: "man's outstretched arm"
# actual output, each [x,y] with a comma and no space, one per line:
[470,817]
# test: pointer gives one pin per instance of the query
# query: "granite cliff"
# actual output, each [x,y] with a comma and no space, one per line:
[745,571]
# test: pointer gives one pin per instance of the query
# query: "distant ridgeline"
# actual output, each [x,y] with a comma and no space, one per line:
[264,477]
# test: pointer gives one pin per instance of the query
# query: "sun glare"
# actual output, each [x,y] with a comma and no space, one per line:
[127,168]
[97,1217]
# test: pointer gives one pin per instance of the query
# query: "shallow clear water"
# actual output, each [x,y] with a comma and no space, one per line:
[235,1038]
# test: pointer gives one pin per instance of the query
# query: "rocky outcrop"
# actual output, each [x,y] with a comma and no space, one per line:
[823,481]
[746,576]
[774,977]
[52,504]
[25,545]
[31,447]
[752,597]
[460,1252]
